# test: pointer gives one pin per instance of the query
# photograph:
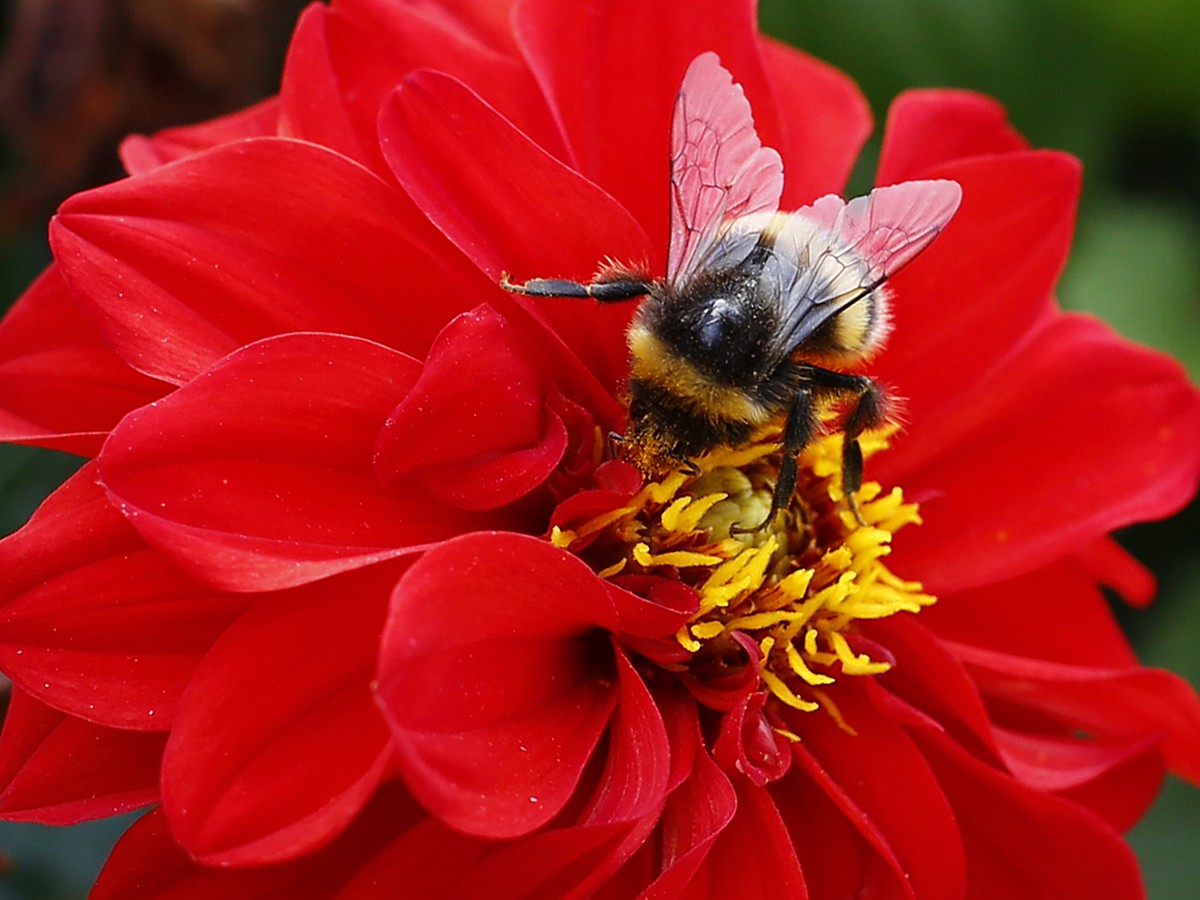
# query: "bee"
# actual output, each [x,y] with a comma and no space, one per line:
[760,310]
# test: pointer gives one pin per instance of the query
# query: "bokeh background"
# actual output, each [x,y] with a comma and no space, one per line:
[1116,82]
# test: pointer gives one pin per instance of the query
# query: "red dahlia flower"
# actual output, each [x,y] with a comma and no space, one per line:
[351,592]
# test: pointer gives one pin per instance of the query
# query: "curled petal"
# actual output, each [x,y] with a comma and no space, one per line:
[749,745]
[476,427]
[496,756]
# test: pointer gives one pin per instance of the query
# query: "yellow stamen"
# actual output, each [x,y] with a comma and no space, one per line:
[797,588]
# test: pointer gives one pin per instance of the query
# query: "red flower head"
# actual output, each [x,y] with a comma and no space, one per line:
[354,590]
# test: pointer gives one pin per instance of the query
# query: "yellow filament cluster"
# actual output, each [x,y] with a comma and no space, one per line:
[798,588]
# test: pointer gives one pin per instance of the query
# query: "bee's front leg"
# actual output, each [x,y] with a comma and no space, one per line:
[603,291]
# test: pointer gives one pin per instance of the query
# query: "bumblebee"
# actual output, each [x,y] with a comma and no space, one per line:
[760,310]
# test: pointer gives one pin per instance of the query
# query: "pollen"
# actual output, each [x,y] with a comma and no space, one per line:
[800,592]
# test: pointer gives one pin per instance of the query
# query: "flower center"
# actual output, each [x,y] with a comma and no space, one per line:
[792,595]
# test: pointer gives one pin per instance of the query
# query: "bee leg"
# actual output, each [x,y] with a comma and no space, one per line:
[604,291]
[799,431]
[868,412]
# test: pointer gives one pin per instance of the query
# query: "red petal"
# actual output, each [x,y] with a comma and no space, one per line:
[185,263]
[495,681]
[510,206]
[1117,781]
[60,385]
[1113,567]
[748,744]
[344,61]
[313,104]
[572,862]
[824,119]
[475,426]
[426,862]
[614,96]
[1081,433]
[697,812]
[140,153]
[1026,843]
[1075,623]
[147,864]
[928,128]
[278,742]
[927,676]
[96,623]
[59,770]
[836,859]
[881,782]
[1126,704]
[965,305]
[258,474]
[754,856]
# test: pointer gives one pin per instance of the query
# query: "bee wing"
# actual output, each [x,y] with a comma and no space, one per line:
[833,253]
[719,171]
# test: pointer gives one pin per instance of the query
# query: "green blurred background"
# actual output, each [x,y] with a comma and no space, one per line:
[1116,82]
